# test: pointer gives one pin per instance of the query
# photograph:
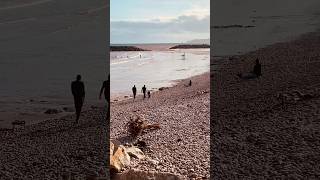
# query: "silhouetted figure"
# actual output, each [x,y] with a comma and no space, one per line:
[257,68]
[78,92]
[106,89]
[190,83]
[144,90]
[149,94]
[134,91]
[256,73]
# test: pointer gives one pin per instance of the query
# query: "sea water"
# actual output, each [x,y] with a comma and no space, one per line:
[155,69]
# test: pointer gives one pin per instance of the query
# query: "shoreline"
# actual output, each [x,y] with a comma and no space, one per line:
[169,81]
[178,82]
[34,112]
[127,96]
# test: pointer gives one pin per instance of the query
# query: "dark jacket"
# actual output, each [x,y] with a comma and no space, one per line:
[77,88]
[106,88]
[134,90]
[257,69]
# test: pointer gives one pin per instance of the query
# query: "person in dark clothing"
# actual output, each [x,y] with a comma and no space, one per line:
[190,83]
[149,94]
[256,73]
[134,91]
[257,68]
[78,92]
[106,90]
[144,90]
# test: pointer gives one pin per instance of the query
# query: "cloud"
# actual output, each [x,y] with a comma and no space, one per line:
[179,29]
[160,21]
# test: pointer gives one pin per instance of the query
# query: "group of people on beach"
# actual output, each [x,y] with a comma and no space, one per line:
[143,90]
[78,92]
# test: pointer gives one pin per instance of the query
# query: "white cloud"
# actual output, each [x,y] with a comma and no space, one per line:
[200,9]
[186,20]
[179,29]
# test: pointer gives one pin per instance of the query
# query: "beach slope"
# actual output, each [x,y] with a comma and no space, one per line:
[268,127]
[182,144]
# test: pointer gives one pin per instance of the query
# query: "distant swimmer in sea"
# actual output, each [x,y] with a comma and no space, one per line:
[256,73]
[134,91]
[183,56]
[144,90]
[106,89]
[78,92]
[149,94]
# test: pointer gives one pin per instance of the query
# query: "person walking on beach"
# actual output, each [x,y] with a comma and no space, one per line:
[144,90]
[149,94]
[134,91]
[106,90]
[78,92]
[190,83]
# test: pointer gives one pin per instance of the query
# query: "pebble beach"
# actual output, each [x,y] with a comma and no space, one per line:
[267,127]
[181,145]
[57,148]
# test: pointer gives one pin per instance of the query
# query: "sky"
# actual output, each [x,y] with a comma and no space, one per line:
[159,21]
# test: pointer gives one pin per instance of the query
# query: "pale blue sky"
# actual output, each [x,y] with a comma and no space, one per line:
[159,21]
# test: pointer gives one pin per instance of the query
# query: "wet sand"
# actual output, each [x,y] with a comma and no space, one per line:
[182,144]
[262,128]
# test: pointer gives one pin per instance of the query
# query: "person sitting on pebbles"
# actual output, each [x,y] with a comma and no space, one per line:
[256,73]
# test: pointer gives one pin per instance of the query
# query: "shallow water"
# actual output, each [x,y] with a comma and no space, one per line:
[43,47]
[154,69]
[273,21]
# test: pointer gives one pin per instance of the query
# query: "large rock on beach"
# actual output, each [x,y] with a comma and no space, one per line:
[68,109]
[135,152]
[119,158]
[52,111]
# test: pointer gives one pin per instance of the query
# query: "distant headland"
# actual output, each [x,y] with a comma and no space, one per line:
[190,46]
[126,48]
